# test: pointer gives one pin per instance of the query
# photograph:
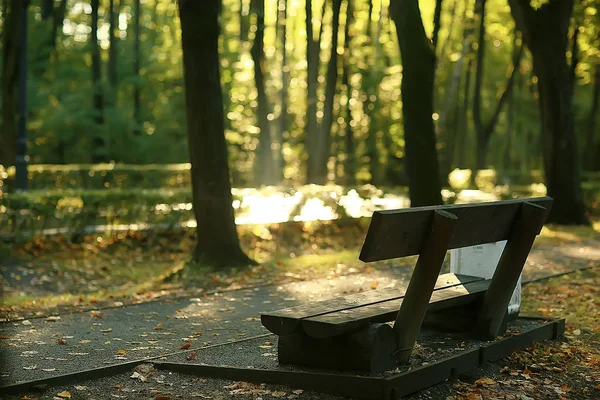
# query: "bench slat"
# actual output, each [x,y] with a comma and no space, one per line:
[343,321]
[287,321]
[400,233]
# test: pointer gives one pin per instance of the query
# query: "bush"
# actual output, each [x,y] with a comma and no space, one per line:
[102,176]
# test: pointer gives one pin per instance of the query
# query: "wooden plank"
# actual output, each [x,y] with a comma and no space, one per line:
[528,223]
[347,385]
[400,233]
[420,288]
[332,324]
[287,320]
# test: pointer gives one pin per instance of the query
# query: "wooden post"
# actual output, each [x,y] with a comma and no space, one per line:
[525,228]
[421,285]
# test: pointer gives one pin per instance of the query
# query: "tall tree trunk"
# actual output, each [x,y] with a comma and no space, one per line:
[112,50]
[350,161]
[372,78]
[484,131]
[463,131]
[98,140]
[244,19]
[48,47]
[451,136]
[265,166]
[545,31]
[137,104]
[418,67]
[323,141]
[313,131]
[217,239]
[10,77]
[282,130]
[592,144]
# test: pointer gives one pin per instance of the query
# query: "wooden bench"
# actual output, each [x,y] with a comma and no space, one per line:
[352,332]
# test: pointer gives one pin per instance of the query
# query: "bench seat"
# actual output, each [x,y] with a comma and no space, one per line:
[344,314]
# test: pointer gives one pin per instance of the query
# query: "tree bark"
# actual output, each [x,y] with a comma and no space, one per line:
[217,239]
[48,47]
[282,130]
[244,20]
[592,147]
[98,141]
[323,141]
[418,67]
[10,77]
[484,131]
[350,161]
[112,50]
[314,170]
[137,105]
[545,32]
[265,165]
[371,106]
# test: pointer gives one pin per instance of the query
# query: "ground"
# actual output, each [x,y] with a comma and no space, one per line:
[52,276]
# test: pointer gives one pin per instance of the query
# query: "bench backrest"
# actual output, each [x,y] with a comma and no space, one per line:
[401,233]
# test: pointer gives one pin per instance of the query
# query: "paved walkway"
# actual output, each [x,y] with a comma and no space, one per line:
[41,348]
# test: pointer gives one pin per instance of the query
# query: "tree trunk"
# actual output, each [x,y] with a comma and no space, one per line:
[282,130]
[10,77]
[98,140]
[265,165]
[244,20]
[314,164]
[137,105]
[112,50]
[323,140]
[545,31]
[450,136]
[592,147]
[484,131]
[371,106]
[48,47]
[217,239]
[350,161]
[418,66]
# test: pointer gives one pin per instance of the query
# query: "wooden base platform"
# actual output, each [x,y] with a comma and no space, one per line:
[391,385]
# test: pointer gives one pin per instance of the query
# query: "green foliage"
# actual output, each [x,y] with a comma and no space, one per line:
[100,176]
[60,91]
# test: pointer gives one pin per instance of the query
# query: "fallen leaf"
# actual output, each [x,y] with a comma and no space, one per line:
[597,387]
[576,332]
[48,369]
[198,333]
[61,341]
[185,346]
[485,382]
[121,352]
[374,285]
[53,318]
[162,398]
[106,330]
[137,375]
[64,395]
[158,326]
[26,322]
[191,357]
[30,367]
[82,388]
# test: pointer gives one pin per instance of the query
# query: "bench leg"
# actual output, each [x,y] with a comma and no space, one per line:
[525,228]
[421,285]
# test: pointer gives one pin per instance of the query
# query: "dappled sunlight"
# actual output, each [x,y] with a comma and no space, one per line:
[316,210]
